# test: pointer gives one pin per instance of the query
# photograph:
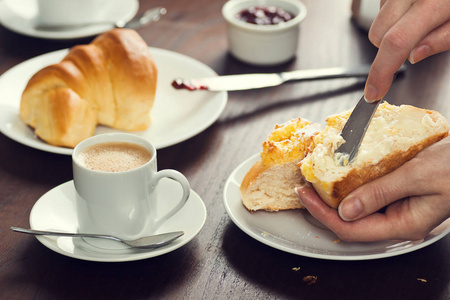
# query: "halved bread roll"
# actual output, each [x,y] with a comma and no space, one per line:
[299,151]
[269,183]
[395,135]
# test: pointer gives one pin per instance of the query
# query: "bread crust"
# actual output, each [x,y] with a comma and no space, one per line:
[133,75]
[71,118]
[91,63]
[253,174]
[358,176]
[406,130]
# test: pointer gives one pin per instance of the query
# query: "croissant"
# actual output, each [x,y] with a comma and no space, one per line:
[111,81]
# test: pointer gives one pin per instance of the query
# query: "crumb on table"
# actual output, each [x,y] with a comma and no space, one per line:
[309,280]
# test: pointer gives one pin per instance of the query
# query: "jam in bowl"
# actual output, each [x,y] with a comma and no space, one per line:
[263,32]
[264,15]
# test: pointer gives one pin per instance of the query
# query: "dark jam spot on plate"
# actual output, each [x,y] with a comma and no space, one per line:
[262,15]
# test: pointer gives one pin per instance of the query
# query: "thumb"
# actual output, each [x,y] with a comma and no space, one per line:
[378,193]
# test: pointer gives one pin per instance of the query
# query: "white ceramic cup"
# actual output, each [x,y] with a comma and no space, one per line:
[72,12]
[364,12]
[122,204]
[263,44]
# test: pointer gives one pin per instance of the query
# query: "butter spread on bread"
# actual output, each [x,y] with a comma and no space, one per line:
[111,82]
[395,135]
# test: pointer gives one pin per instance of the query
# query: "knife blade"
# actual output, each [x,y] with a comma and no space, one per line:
[356,126]
[261,80]
[354,130]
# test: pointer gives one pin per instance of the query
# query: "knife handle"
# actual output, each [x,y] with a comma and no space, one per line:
[330,73]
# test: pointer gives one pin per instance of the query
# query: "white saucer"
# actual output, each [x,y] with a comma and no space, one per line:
[297,232]
[56,211]
[177,115]
[20,17]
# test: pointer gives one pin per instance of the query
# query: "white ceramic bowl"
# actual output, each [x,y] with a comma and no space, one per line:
[263,44]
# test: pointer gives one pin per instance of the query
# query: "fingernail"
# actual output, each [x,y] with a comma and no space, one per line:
[350,209]
[370,93]
[419,53]
[298,192]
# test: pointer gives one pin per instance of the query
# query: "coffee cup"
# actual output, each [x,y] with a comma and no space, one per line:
[72,12]
[115,177]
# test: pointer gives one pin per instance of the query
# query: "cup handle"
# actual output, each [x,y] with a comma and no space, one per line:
[177,176]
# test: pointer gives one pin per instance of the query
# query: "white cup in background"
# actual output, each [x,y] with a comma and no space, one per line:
[364,12]
[123,203]
[72,12]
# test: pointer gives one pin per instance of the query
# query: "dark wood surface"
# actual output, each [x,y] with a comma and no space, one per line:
[221,262]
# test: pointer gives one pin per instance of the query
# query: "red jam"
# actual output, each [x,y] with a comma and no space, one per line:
[187,85]
[262,15]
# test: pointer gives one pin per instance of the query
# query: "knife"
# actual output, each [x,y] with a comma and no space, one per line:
[356,126]
[261,80]
[354,131]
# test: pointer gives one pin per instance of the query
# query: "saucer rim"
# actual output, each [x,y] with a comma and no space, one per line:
[123,255]
[205,110]
[245,221]
[87,31]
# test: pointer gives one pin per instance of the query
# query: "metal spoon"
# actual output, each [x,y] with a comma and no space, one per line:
[149,16]
[147,242]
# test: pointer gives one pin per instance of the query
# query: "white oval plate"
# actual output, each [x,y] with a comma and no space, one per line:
[20,17]
[56,211]
[297,232]
[177,115]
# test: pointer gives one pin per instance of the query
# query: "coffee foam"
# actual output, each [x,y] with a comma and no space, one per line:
[114,156]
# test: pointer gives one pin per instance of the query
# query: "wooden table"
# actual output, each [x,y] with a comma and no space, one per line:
[221,262]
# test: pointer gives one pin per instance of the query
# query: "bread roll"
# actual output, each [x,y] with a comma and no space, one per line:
[395,135]
[115,76]
[269,185]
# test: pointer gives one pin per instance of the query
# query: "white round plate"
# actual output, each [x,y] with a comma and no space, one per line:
[177,115]
[20,17]
[297,232]
[56,211]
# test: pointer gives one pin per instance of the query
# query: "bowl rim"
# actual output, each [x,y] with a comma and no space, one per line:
[229,15]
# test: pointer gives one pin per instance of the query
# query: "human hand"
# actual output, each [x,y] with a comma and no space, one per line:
[416,197]
[407,29]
